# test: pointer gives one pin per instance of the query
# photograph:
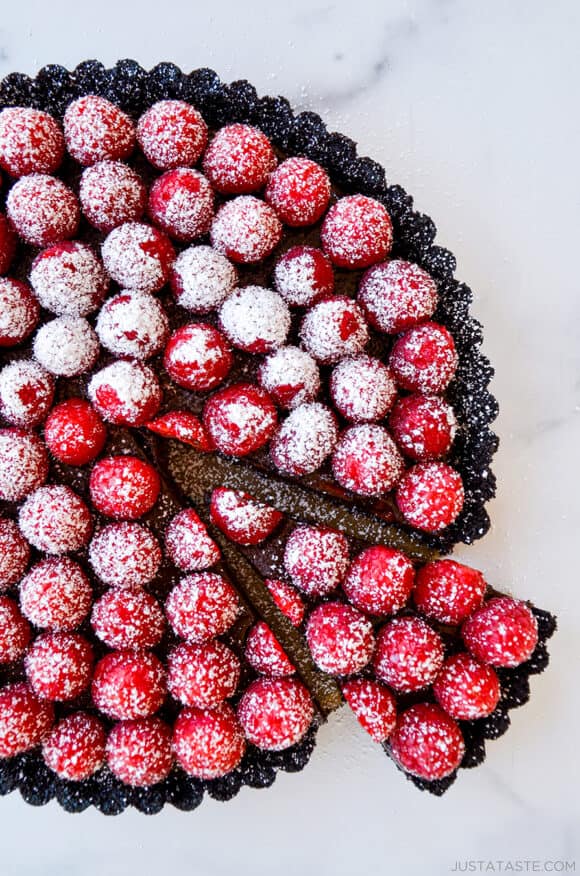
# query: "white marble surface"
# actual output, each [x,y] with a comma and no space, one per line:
[473,107]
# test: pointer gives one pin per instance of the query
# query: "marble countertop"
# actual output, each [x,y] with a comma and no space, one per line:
[473,108]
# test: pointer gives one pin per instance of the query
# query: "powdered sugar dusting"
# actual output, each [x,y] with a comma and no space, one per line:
[362,388]
[69,279]
[333,329]
[67,346]
[202,279]
[133,324]
[305,439]
[291,376]
[255,319]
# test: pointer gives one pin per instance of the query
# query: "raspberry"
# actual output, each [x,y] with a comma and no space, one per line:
[333,329]
[340,638]
[291,377]
[366,460]
[430,496]
[8,241]
[424,426]
[133,325]
[125,393]
[56,594]
[238,160]
[75,747]
[265,654]
[128,619]
[125,555]
[202,279]
[23,464]
[409,654]
[503,632]
[305,439]
[24,720]
[187,543]
[139,752]
[53,519]
[74,432]
[18,311]
[124,487]
[275,713]
[208,743]
[172,134]
[240,419]
[97,130]
[244,520]
[203,675]
[69,279]
[374,706]
[397,295]
[26,393]
[128,685]
[467,689]
[112,193]
[424,359]
[356,232]
[380,580]
[316,559]
[14,553]
[43,210]
[427,743]
[255,319]
[198,357]
[67,346]
[246,230]
[181,204]
[138,256]
[59,666]
[202,606]
[31,141]
[362,389]
[448,591]
[299,191]
[14,631]
[287,599]
[303,276]
[184,427]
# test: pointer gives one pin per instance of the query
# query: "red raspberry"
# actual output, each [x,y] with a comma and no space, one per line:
[427,743]
[198,357]
[380,580]
[67,346]
[374,706]
[75,748]
[208,743]
[265,654]
[97,130]
[56,594]
[291,377]
[138,256]
[397,295]
[23,464]
[467,689]
[53,519]
[430,496]
[14,553]
[172,134]
[181,203]
[124,487]
[287,599]
[240,419]
[125,555]
[202,606]
[8,241]
[409,654]
[303,276]
[128,685]
[187,543]
[133,325]
[128,619]
[246,230]
[14,631]
[240,517]
[362,389]
[238,160]
[316,559]
[69,279]
[255,319]
[43,210]
[31,141]
[26,393]
[184,427]
[356,232]
[18,311]
[275,713]
[203,675]
[125,393]
[367,461]
[139,752]
[503,632]
[24,719]
[59,666]
[448,591]
[305,439]
[299,191]
[424,359]
[112,193]
[333,329]
[424,426]
[340,638]
[201,279]
[74,432]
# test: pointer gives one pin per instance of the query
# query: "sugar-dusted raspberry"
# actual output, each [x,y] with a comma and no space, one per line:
[367,461]
[56,594]
[43,210]
[243,519]
[69,279]
[8,240]
[183,426]
[466,688]
[424,426]
[291,376]
[255,319]
[299,191]
[356,232]
[24,719]
[23,464]
[75,747]
[181,203]
[397,295]
[503,632]
[448,591]
[427,743]
[188,544]
[208,743]
[138,256]
[316,559]
[26,392]
[424,359]
[14,631]
[362,389]
[112,193]
[240,418]
[202,279]
[128,618]
[14,553]
[333,329]
[303,276]
[125,393]
[55,520]
[409,654]
[139,752]
[128,685]
[172,134]
[74,433]
[125,555]
[287,599]
[203,676]
[18,312]
[202,606]
[238,160]
[304,439]
[430,496]
[124,487]
[374,706]
[265,654]
[67,346]
[133,325]
[275,713]
[59,666]
[198,357]
[340,638]
[31,141]
[97,130]
[246,230]
[379,580]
